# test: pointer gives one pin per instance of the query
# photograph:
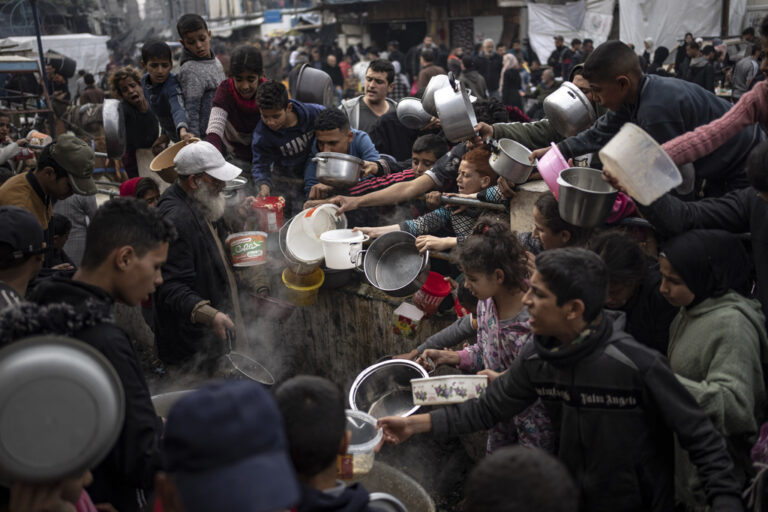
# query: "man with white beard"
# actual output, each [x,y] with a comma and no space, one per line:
[198,300]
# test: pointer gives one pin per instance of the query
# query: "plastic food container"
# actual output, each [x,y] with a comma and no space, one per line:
[448,389]
[303,289]
[269,213]
[341,247]
[550,165]
[429,297]
[360,455]
[639,163]
[247,248]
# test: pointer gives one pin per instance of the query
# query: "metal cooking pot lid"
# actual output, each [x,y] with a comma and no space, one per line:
[236,184]
[340,156]
[61,408]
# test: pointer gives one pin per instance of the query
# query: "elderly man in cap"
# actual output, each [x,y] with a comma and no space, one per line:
[198,302]
[21,253]
[225,450]
[63,168]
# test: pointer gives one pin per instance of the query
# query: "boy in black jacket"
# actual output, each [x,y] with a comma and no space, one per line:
[615,403]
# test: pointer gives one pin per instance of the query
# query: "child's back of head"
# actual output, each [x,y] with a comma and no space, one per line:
[315,422]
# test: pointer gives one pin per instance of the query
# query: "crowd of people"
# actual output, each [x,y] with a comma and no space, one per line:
[626,363]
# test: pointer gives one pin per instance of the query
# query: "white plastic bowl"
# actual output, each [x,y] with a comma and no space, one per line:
[341,247]
[303,237]
[448,389]
[639,163]
[365,437]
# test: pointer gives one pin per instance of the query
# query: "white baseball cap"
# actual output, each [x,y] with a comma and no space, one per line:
[203,157]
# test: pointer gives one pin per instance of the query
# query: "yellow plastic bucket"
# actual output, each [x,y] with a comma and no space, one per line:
[303,289]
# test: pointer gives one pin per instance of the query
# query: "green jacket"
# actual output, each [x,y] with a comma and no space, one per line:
[534,135]
[717,349]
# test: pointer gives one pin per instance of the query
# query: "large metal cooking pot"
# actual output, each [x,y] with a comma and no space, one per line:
[509,159]
[385,478]
[585,199]
[568,110]
[114,128]
[457,116]
[337,169]
[384,389]
[314,86]
[61,408]
[436,83]
[411,113]
[393,264]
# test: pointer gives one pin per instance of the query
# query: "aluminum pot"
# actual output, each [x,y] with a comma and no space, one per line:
[393,264]
[436,83]
[338,169]
[234,191]
[384,389]
[585,199]
[456,113]
[568,110]
[114,128]
[314,86]
[411,113]
[509,159]
[384,478]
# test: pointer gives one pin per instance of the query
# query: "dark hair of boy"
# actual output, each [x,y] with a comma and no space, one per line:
[315,422]
[428,55]
[59,225]
[763,27]
[145,185]
[432,143]
[757,167]
[548,207]
[575,41]
[610,60]
[491,111]
[748,31]
[331,119]
[693,45]
[155,49]
[121,222]
[575,274]
[190,23]
[492,245]
[383,66]
[88,79]
[623,256]
[46,160]
[246,58]
[520,479]
[469,63]
[272,95]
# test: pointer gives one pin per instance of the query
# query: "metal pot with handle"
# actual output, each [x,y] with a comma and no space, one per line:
[393,264]
[338,169]
[314,86]
[509,159]
[457,116]
[436,83]
[568,110]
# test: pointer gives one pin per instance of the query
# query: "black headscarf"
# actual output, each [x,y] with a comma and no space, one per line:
[710,262]
[659,57]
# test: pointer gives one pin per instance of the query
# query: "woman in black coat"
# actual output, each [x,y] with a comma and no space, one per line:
[511,83]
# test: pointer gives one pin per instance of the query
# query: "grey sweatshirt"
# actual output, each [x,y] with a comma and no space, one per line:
[462,329]
[199,79]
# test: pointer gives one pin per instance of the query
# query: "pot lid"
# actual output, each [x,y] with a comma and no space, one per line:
[61,408]
[236,184]
[340,156]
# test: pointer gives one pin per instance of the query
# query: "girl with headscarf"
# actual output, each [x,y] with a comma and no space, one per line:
[717,345]
[510,82]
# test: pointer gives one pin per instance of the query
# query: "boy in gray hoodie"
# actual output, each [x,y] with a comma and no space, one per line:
[200,72]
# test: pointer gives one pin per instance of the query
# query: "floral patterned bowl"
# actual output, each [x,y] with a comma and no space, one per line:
[448,389]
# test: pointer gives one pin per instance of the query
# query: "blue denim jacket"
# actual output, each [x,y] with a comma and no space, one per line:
[167,103]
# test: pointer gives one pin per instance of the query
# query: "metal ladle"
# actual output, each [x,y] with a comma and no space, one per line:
[247,366]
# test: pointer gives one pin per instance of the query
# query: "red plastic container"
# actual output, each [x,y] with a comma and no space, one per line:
[432,293]
[269,213]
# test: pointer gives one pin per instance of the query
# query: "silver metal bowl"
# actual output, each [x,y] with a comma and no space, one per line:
[61,408]
[114,128]
[585,199]
[411,113]
[456,113]
[428,98]
[384,389]
[393,264]
[568,110]
[337,169]
[509,159]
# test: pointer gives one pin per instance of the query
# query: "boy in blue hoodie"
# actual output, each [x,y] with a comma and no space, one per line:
[283,138]
[162,90]
[316,428]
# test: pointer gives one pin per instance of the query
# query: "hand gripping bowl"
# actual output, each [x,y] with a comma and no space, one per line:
[384,389]
[61,408]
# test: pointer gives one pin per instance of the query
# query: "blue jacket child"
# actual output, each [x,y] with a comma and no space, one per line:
[167,103]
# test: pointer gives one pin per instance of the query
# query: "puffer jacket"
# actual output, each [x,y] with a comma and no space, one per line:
[615,405]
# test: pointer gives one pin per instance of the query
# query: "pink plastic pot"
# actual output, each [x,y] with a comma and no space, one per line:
[549,167]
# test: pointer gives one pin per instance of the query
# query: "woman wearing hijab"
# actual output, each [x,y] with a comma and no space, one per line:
[656,66]
[510,82]
[141,188]
[717,345]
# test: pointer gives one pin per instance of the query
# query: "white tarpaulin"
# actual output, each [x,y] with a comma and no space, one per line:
[88,50]
[583,19]
[666,22]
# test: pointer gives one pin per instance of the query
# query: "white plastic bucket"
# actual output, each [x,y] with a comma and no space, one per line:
[341,247]
[639,163]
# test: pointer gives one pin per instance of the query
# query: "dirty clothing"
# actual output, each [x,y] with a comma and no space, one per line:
[614,405]
[499,342]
